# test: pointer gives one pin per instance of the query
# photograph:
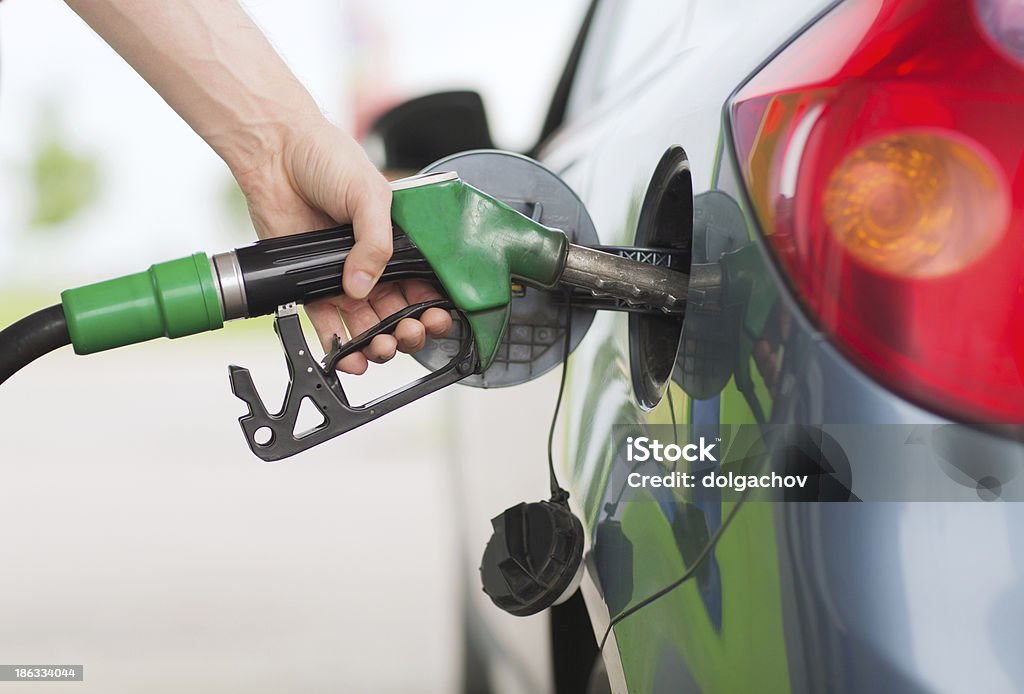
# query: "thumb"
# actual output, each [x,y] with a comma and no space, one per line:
[333,174]
[370,209]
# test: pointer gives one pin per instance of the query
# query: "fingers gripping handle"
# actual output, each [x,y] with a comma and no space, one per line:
[305,267]
[274,437]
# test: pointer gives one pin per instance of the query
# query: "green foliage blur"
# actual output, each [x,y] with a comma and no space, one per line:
[64,182]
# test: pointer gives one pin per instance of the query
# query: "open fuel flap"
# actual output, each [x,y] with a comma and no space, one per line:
[664,234]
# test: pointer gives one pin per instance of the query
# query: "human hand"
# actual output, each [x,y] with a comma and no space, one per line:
[214,66]
[320,177]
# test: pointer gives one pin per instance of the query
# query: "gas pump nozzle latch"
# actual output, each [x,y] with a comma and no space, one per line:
[273,437]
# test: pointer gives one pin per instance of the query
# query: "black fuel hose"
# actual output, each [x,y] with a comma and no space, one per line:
[37,334]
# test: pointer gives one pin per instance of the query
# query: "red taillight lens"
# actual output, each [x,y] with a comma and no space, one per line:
[882,152]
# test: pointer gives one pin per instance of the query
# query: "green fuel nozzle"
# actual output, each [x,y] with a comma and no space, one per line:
[446,231]
[477,250]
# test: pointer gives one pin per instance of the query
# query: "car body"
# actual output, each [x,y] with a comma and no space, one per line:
[901,592]
[893,573]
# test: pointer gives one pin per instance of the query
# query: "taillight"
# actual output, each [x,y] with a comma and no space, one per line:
[882,152]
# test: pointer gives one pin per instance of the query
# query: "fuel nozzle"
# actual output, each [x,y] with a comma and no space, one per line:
[199,293]
[473,246]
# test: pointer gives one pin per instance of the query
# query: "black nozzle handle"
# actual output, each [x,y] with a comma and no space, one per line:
[304,267]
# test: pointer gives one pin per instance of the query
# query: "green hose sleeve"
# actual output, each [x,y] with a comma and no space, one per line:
[171,299]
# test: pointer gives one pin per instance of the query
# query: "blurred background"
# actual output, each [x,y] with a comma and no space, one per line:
[139,535]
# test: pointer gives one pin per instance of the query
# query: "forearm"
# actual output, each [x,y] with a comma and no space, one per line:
[214,67]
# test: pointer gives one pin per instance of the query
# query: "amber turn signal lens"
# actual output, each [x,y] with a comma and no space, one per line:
[916,204]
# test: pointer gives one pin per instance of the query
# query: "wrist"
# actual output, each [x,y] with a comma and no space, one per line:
[254,145]
[267,178]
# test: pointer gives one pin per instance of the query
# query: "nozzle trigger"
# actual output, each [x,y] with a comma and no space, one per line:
[273,437]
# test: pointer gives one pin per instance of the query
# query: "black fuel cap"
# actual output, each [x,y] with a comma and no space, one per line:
[533,557]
